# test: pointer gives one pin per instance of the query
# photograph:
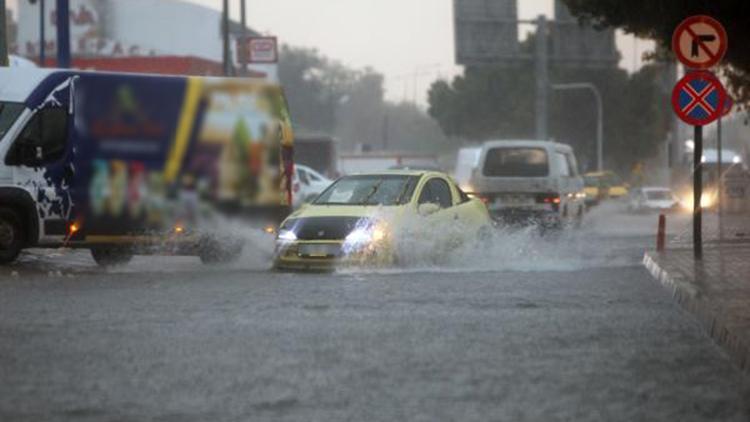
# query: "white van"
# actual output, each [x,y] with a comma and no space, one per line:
[467,160]
[530,182]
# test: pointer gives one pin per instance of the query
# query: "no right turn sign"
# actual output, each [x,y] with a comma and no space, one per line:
[699,42]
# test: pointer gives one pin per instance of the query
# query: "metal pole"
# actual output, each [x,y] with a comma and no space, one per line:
[42,38]
[386,129]
[3,36]
[243,19]
[720,183]
[63,34]
[697,193]
[599,129]
[542,79]
[599,116]
[225,36]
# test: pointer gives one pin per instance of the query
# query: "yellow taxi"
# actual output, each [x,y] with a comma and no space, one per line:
[371,219]
[601,185]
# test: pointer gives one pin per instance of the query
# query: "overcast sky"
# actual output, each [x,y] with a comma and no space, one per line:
[399,38]
[407,40]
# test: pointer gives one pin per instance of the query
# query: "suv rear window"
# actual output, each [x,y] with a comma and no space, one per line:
[516,162]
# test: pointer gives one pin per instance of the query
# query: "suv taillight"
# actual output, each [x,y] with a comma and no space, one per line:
[548,198]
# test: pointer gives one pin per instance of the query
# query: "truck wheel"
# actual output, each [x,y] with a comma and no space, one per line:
[11,236]
[485,238]
[109,256]
[212,251]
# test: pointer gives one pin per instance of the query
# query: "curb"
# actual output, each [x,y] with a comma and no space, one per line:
[710,317]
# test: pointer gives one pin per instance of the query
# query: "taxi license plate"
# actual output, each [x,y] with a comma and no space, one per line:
[322,250]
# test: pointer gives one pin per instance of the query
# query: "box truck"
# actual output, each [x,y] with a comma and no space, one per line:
[127,163]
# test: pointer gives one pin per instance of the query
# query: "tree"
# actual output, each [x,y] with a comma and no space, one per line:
[498,102]
[313,86]
[657,19]
[327,97]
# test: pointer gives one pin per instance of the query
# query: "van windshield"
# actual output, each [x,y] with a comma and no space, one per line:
[9,112]
[516,162]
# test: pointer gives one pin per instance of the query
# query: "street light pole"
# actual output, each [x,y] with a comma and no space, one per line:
[599,112]
[243,20]
[3,36]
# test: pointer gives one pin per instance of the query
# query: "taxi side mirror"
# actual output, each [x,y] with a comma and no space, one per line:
[428,208]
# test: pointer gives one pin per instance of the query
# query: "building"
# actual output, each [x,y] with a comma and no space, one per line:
[155,36]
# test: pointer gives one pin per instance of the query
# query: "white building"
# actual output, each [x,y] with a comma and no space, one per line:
[130,28]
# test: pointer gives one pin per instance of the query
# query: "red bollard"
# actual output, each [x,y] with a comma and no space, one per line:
[660,233]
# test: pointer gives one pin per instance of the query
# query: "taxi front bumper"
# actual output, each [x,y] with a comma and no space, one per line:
[328,255]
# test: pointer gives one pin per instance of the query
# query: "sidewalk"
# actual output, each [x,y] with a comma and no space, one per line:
[717,289]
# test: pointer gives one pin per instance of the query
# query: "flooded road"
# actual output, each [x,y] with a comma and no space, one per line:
[570,328]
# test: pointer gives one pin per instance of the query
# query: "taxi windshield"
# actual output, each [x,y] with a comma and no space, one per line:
[369,190]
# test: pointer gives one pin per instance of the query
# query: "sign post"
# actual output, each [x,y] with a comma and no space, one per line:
[699,98]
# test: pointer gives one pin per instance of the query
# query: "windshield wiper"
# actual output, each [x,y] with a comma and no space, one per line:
[375,188]
[403,192]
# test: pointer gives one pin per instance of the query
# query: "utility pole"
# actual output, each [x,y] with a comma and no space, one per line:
[542,79]
[63,34]
[243,20]
[42,40]
[386,129]
[3,36]
[225,36]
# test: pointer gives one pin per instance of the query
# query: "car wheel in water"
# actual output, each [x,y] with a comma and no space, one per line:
[11,235]
[110,256]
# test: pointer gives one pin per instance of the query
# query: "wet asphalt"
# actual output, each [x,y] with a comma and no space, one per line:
[569,329]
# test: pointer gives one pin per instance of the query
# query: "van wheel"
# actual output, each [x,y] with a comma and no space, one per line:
[110,256]
[578,223]
[485,238]
[11,235]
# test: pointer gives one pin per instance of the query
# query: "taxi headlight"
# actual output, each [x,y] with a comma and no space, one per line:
[365,236]
[286,235]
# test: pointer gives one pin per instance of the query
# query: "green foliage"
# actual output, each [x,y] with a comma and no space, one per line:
[657,19]
[327,97]
[498,102]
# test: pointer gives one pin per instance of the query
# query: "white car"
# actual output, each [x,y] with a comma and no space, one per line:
[307,185]
[652,199]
